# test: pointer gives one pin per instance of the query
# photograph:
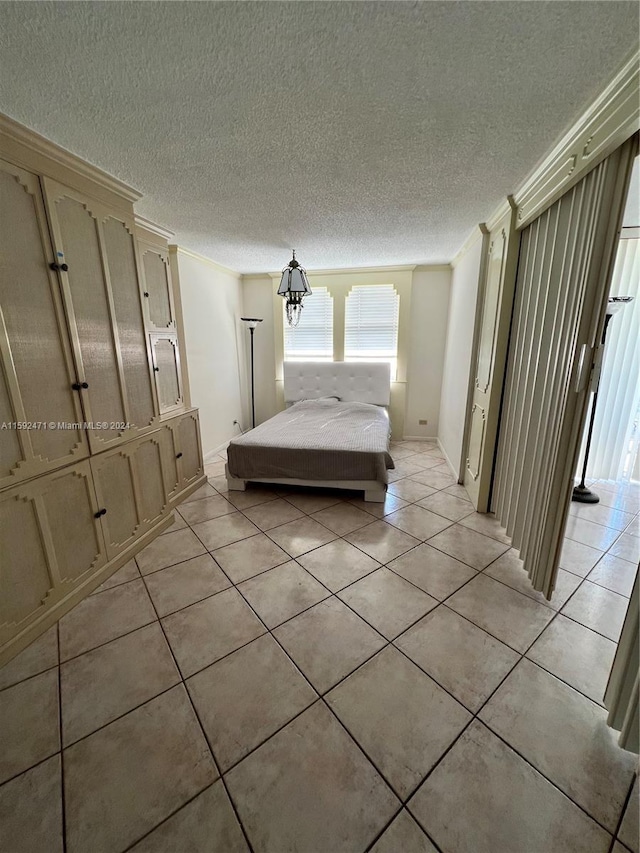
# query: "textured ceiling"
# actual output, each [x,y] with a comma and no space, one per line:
[361,133]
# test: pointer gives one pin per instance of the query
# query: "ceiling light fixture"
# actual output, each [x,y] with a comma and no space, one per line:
[294,286]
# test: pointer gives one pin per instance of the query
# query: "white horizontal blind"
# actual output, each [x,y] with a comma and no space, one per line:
[371,324]
[312,339]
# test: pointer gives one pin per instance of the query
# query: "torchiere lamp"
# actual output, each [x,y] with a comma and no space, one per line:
[581,493]
[252,323]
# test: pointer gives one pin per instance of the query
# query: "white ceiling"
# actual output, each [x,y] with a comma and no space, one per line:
[360,133]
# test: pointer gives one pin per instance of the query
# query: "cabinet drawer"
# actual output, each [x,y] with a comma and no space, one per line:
[50,542]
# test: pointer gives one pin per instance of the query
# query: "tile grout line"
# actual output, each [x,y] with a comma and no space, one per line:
[63,810]
[388,643]
[204,734]
[475,715]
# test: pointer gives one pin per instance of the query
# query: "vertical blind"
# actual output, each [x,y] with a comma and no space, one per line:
[312,340]
[558,288]
[615,429]
[371,324]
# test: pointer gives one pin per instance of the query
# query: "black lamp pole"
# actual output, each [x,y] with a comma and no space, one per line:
[252,322]
[581,493]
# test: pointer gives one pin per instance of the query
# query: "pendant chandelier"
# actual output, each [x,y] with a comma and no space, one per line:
[294,286]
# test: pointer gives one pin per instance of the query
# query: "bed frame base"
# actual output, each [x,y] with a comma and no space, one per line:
[374,492]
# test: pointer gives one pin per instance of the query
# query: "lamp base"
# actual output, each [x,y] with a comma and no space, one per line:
[581,494]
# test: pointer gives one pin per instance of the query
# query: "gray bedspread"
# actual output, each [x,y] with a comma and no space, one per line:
[316,440]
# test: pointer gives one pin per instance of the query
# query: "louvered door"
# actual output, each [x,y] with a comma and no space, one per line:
[96,252]
[37,371]
[50,543]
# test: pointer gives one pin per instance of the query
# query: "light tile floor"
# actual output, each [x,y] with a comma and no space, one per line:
[291,670]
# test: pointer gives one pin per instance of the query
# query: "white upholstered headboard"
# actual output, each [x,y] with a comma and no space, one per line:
[352,382]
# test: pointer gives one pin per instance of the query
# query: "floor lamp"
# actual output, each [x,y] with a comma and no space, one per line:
[581,493]
[252,323]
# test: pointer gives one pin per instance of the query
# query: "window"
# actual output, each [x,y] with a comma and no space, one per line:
[312,340]
[371,324]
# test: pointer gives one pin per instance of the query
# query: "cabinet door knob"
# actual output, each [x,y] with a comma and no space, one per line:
[64,267]
[78,385]
[54,266]
[84,384]
[146,294]
[100,512]
[178,455]
[156,369]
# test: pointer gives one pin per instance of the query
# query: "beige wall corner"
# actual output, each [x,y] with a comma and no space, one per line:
[459,348]
[211,302]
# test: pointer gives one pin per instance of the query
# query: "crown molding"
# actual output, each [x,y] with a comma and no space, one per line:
[33,151]
[179,250]
[153,227]
[432,268]
[468,244]
[611,119]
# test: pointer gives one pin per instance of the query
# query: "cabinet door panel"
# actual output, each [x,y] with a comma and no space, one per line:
[76,237]
[155,265]
[25,579]
[150,476]
[123,278]
[38,369]
[191,465]
[130,486]
[170,451]
[70,507]
[50,542]
[113,474]
[166,365]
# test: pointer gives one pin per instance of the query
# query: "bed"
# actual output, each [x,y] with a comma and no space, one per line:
[334,432]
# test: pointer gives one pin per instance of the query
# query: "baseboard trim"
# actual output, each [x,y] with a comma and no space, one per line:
[419,438]
[210,455]
[455,473]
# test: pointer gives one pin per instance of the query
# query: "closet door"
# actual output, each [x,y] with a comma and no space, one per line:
[33,336]
[132,490]
[564,270]
[166,367]
[50,542]
[96,255]
[157,288]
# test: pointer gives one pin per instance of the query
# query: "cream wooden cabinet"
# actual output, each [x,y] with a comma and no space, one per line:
[33,334]
[132,489]
[166,367]
[107,447]
[158,292]
[182,451]
[51,541]
[96,256]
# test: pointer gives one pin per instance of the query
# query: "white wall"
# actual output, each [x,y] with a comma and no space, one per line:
[457,360]
[423,350]
[258,302]
[215,342]
[429,306]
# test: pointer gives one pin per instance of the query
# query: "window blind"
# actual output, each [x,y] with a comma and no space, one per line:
[312,340]
[371,324]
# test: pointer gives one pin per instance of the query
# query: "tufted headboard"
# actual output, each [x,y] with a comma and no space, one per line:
[352,382]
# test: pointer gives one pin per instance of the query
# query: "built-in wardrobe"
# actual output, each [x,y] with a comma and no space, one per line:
[97,443]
